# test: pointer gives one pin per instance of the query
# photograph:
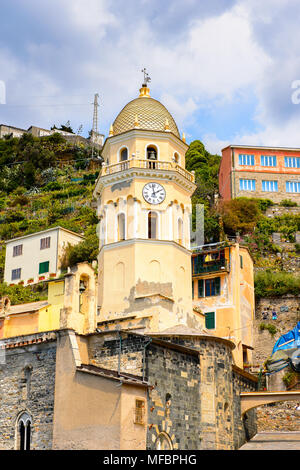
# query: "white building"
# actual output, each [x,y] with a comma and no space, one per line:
[36,257]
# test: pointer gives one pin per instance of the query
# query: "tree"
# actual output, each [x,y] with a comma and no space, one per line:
[206,168]
[239,215]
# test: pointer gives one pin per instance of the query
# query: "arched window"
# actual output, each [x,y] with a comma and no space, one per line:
[83,294]
[180,231]
[121,227]
[163,442]
[124,154]
[151,154]
[176,158]
[152,225]
[24,432]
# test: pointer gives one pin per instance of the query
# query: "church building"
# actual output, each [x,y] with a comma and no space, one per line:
[121,358]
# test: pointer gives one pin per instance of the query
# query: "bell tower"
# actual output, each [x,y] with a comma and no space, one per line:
[144,205]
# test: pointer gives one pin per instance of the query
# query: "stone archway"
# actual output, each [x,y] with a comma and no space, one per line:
[250,400]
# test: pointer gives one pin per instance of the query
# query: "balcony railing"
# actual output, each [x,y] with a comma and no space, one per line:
[211,267]
[146,164]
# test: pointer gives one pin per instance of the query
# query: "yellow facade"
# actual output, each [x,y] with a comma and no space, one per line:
[141,274]
[71,304]
[228,304]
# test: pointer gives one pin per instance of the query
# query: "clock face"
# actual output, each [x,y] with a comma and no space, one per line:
[154,193]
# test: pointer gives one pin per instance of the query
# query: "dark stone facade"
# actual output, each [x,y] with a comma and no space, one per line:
[194,395]
[27,381]
[193,399]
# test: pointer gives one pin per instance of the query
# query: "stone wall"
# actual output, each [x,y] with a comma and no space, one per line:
[278,416]
[258,176]
[276,210]
[122,353]
[174,404]
[245,428]
[193,397]
[32,392]
[288,314]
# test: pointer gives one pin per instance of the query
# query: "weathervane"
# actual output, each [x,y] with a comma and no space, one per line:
[147,79]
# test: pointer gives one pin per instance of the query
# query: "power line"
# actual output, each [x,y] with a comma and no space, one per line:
[45,105]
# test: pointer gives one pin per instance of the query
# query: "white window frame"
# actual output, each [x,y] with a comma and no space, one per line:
[152,144]
[119,154]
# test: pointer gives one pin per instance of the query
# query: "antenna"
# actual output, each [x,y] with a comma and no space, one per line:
[95,122]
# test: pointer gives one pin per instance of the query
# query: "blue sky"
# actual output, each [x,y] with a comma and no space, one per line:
[223,68]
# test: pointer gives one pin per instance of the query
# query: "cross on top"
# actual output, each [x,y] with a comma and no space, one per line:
[147,79]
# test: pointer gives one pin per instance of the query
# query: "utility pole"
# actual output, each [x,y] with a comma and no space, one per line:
[95,122]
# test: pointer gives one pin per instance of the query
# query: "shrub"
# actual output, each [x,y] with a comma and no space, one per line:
[240,215]
[87,250]
[268,326]
[270,284]
[19,294]
[288,203]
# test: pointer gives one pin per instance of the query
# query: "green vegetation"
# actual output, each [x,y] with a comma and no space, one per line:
[288,203]
[46,197]
[87,250]
[19,294]
[275,284]
[240,215]
[269,327]
[32,161]
[206,168]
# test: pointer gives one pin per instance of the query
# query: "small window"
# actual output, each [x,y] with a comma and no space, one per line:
[163,442]
[139,412]
[200,288]
[245,159]
[16,274]
[241,262]
[121,227]
[292,162]
[152,225]
[212,287]
[44,267]
[210,322]
[45,243]
[247,185]
[268,160]
[24,432]
[193,290]
[292,186]
[124,154]
[270,186]
[18,250]
[176,158]
[180,231]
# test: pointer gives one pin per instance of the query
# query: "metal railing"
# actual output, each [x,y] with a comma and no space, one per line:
[146,164]
[211,267]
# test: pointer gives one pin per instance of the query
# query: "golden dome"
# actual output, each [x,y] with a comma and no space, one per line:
[144,113]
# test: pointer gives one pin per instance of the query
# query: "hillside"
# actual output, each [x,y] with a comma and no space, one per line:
[57,192]
[46,182]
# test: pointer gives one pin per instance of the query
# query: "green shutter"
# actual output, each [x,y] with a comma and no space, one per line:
[200,288]
[44,267]
[217,286]
[210,320]
[241,261]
